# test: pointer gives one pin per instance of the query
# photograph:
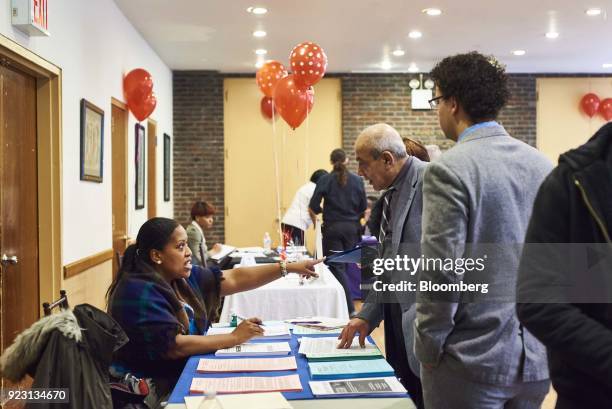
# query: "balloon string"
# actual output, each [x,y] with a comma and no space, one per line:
[282,180]
[307,168]
[276,174]
[307,165]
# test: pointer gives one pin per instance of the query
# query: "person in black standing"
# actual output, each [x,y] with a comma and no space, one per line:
[344,201]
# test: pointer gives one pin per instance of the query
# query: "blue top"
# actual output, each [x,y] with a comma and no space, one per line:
[472,128]
[341,203]
[146,307]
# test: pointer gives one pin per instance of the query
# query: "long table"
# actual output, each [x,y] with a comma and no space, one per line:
[285,298]
[181,389]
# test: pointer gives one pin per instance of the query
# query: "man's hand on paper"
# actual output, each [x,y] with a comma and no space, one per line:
[216,248]
[248,329]
[348,333]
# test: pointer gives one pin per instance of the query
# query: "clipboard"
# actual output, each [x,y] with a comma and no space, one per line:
[342,257]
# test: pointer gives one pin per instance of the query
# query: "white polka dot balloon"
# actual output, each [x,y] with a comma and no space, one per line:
[268,76]
[308,62]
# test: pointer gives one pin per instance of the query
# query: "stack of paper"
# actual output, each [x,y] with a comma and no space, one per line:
[325,349]
[350,369]
[358,387]
[269,323]
[225,251]
[268,400]
[271,332]
[319,323]
[246,384]
[254,251]
[300,330]
[263,349]
[247,365]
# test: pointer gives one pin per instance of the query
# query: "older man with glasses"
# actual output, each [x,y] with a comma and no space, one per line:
[396,222]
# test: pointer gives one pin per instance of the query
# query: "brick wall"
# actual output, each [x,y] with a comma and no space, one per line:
[372,98]
[366,99]
[198,146]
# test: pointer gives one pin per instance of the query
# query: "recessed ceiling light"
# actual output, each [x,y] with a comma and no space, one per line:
[413,68]
[552,35]
[415,34]
[398,52]
[607,65]
[432,11]
[519,52]
[385,65]
[261,51]
[593,12]
[259,33]
[257,10]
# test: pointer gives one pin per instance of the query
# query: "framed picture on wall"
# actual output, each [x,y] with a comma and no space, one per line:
[92,142]
[167,149]
[140,166]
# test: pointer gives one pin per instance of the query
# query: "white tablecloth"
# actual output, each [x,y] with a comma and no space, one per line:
[285,298]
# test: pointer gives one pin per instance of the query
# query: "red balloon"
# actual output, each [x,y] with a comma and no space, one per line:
[293,103]
[267,107]
[605,108]
[590,104]
[143,106]
[268,76]
[308,63]
[137,81]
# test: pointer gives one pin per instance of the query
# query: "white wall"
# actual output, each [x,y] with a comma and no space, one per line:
[95,45]
[559,97]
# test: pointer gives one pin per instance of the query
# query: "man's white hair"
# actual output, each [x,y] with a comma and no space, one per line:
[382,137]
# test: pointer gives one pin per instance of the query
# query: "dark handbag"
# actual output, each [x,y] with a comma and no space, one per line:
[129,393]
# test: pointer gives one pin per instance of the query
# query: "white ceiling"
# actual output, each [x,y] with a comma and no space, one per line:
[358,34]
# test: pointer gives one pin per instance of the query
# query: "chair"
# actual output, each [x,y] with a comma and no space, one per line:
[62,302]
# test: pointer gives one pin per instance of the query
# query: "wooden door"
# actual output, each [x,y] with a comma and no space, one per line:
[152,168]
[250,175]
[119,123]
[19,204]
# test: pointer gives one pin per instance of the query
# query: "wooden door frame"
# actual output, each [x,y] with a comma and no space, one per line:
[49,157]
[151,169]
[122,106]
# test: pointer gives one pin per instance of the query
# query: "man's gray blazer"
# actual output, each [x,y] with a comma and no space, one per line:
[407,223]
[480,191]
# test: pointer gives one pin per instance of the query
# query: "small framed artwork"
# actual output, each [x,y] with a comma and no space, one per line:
[167,152]
[140,166]
[92,142]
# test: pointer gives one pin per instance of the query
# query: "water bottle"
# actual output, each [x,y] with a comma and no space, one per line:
[267,242]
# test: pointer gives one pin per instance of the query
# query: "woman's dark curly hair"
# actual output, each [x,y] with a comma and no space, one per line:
[478,82]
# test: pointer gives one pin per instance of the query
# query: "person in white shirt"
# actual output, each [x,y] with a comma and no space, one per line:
[201,219]
[297,219]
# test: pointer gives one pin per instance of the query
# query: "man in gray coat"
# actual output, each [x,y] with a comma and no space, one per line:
[383,161]
[477,199]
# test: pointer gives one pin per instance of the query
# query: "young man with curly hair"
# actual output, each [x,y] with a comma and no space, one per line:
[473,351]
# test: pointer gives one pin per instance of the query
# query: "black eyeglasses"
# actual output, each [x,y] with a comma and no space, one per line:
[433,103]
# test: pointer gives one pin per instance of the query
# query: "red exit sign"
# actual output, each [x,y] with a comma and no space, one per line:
[31,16]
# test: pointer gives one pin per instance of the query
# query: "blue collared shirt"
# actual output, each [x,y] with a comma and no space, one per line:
[472,128]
